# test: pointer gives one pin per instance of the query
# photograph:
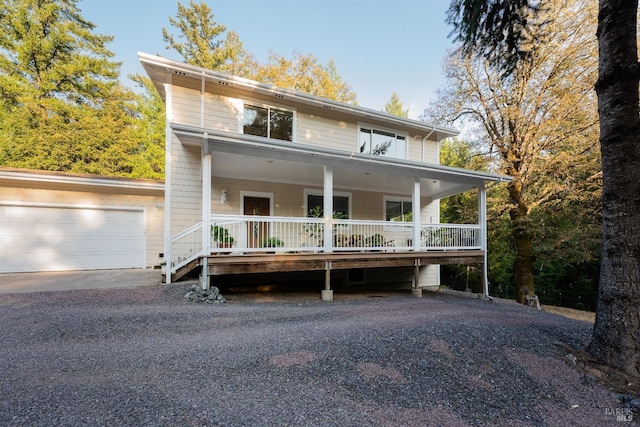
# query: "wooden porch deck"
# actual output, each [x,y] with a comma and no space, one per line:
[301,262]
[273,263]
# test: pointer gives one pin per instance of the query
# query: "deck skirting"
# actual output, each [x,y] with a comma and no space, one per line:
[274,263]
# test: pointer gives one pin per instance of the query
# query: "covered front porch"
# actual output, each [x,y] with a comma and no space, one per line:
[323,237]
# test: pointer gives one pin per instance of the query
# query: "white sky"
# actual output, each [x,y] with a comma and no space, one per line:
[378,47]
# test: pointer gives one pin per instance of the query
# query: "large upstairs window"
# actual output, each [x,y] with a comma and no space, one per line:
[268,122]
[382,143]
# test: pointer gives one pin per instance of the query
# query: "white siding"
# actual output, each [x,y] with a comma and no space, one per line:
[186,186]
[318,131]
[221,113]
[186,106]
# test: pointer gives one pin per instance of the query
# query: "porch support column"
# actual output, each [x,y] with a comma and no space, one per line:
[206,211]
[327,293]
[482,221]
[167,179]
[415,203]
[328,208]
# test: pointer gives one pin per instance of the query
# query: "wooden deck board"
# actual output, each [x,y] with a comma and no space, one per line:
[273,263]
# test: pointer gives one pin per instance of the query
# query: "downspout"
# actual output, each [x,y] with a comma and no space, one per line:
[423,141]
[482,221]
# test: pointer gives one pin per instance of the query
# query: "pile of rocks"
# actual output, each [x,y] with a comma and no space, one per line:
[209,296]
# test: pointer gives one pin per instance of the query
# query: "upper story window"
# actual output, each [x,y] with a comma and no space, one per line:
[382,143]
[268,122]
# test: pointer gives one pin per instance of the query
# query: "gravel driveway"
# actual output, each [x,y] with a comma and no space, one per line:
[144,357]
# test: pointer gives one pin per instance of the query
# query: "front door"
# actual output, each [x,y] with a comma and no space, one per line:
[258,231]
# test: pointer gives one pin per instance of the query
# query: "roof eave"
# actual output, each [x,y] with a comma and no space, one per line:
[159,69]
[253,144]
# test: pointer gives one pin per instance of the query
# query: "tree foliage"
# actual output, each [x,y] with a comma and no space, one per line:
[394,106]
[537,122]
[62,105]
[305,74]
[503,31]
[200,41]
[616,334]
[463,209]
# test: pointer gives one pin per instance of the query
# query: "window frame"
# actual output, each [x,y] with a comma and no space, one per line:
[372,128]
[268,107]
[314,192]
[395,199]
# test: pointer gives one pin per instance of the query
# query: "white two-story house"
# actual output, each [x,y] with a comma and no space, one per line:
[267,180]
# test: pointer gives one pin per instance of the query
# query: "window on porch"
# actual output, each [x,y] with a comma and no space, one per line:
[267,122]
[315,203]
[398,210]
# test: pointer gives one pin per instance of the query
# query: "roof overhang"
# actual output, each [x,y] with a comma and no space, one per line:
[66,179]
[254,158]
[165,71]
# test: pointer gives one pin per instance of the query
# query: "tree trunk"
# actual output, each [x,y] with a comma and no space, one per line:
[523,264]
[616,333]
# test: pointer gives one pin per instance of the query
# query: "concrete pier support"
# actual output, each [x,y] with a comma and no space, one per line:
[415,289]
[327,293]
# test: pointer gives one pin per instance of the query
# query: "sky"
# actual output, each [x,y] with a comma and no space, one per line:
[378,47]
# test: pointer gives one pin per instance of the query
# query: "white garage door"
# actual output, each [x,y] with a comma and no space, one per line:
[34,238]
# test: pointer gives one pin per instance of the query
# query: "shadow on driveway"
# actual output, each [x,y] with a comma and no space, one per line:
[71,280]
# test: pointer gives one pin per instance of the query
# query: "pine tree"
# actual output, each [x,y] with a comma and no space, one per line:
[395,107]
[63,106]
[200,41]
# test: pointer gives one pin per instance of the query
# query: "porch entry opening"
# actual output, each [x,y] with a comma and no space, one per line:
[258,231]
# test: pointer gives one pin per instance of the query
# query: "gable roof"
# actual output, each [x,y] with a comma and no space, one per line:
[162,70]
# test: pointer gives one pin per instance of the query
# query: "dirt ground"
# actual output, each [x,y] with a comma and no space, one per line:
[586,316]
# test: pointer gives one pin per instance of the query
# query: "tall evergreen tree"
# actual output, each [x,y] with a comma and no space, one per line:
[49,52]
[394,106]
[200,41]
[63,106]
[616,333]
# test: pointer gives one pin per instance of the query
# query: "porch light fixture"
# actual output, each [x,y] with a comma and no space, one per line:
[224,196]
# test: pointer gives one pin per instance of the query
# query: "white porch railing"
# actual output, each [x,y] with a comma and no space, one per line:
[186,247]
[241,233]
[245,233]
[251,234]
[450,236]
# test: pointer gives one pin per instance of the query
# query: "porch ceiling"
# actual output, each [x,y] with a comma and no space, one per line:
[255,158]
[282,171]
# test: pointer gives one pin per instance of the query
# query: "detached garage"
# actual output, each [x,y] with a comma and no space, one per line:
[52,222]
